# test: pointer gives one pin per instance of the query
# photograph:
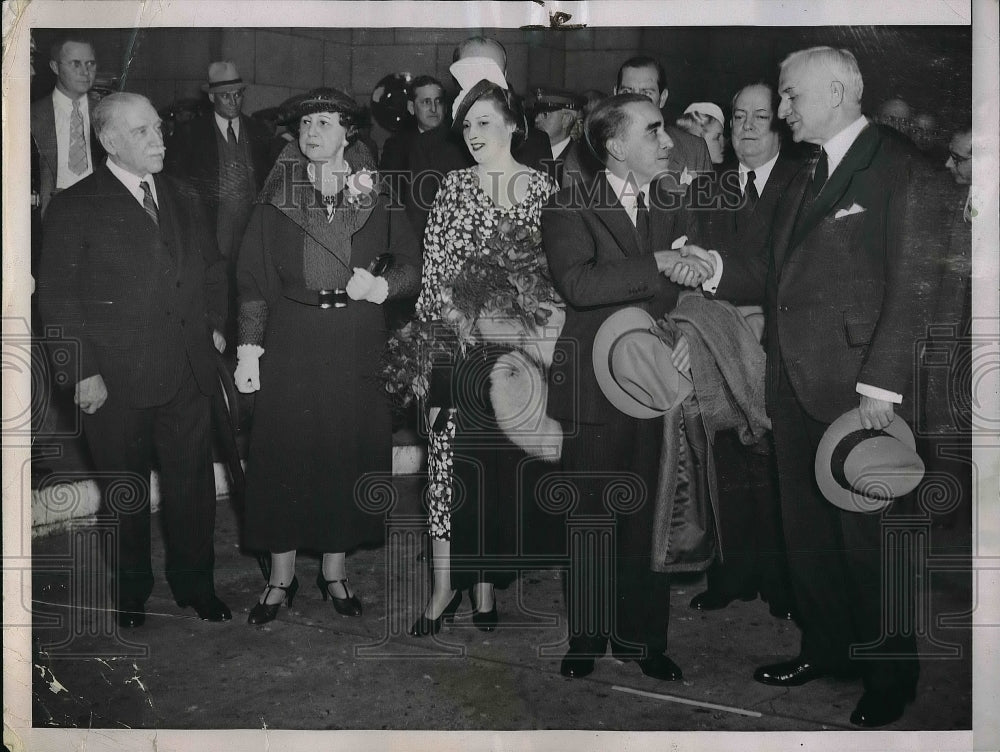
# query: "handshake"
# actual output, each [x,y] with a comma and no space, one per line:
[685,264]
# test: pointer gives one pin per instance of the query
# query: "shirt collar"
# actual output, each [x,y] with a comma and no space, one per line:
[132,182]
[622,187]
[558,149]
[761,174]
[837,147]
[64,104]
[223,125]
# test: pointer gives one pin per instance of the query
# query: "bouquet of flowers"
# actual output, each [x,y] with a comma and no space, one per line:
[508,278]
[504,293]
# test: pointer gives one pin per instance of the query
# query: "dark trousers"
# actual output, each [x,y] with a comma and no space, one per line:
[612,593]
[123,442]
[836,559]
[750,523]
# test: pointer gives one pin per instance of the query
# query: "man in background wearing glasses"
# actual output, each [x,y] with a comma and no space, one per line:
[60,122]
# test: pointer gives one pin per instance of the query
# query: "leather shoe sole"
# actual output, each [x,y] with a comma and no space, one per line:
[131,615]
[659,667]
[788,673]
[880,708]
[576,667]
[212,609]
[707,601]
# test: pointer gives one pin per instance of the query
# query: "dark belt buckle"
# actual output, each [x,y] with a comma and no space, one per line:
[333,298]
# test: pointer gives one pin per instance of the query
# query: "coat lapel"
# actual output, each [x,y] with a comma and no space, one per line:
[858,157]
[614,217]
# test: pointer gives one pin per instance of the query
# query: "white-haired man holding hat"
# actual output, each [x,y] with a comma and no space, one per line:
[850,288]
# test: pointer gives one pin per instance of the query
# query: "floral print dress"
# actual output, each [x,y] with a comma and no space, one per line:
[462,210]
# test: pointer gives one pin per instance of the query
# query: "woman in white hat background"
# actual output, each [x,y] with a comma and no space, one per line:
[705,119]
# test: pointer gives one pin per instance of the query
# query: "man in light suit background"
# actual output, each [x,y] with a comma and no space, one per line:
[123,276]
[851,287]
[60,122]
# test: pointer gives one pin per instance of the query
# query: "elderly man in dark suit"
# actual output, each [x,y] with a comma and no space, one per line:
[750,518]
[61,121]
[122,274]
[644,75]
[608,247]
[850,289]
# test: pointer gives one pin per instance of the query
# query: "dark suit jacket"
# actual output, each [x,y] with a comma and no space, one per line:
[43,131]
[689,151]
[847,298]
[736,228]
[598,267]
[134,301]
[193,156]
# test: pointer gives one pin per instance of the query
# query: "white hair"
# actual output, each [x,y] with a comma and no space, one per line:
[841,63]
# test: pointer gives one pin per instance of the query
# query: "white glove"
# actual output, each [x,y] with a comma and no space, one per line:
[247,374]
[364,286]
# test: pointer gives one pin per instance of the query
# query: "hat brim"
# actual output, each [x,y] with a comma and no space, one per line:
[212,89]
[617,324]
[836,494]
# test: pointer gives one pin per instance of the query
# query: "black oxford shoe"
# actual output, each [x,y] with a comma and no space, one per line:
[576,666]
[209,609]
[880,708]
[793,673]
[659,667]
[131,614]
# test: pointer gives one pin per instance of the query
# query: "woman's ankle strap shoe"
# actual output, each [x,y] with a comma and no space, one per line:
[349,606]
[264,612]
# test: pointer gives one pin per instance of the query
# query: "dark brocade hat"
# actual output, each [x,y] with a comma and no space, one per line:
[322,99]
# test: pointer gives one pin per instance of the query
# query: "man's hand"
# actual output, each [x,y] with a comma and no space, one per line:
[681,356]
[875,413]
[91,393]
[685,267]
[218,340]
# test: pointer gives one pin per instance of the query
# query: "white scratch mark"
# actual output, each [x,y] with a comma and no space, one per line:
[54,686]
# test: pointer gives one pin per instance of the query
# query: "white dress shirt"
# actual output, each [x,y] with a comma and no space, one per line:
[627,194]
[223,125]
[131,182]
[62,107]
[558,149]
[760,175]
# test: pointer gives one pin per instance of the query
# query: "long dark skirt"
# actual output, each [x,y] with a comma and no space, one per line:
[322,436]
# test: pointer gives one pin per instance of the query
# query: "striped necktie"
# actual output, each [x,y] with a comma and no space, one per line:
[77,141]
[149,204]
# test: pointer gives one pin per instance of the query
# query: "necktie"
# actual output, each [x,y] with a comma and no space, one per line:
[231,134]
[642,220]
[821,173]
[148,204]
[751,190]
[77,141]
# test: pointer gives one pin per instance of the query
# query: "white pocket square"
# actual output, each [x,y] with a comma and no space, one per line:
[852,209]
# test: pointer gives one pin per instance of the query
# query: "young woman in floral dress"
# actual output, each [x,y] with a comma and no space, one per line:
[478,485]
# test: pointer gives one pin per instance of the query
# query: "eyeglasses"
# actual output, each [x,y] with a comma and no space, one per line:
[959,158]
[230,95]
[79,65]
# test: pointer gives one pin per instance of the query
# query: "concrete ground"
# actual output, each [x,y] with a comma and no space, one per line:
[313,669]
